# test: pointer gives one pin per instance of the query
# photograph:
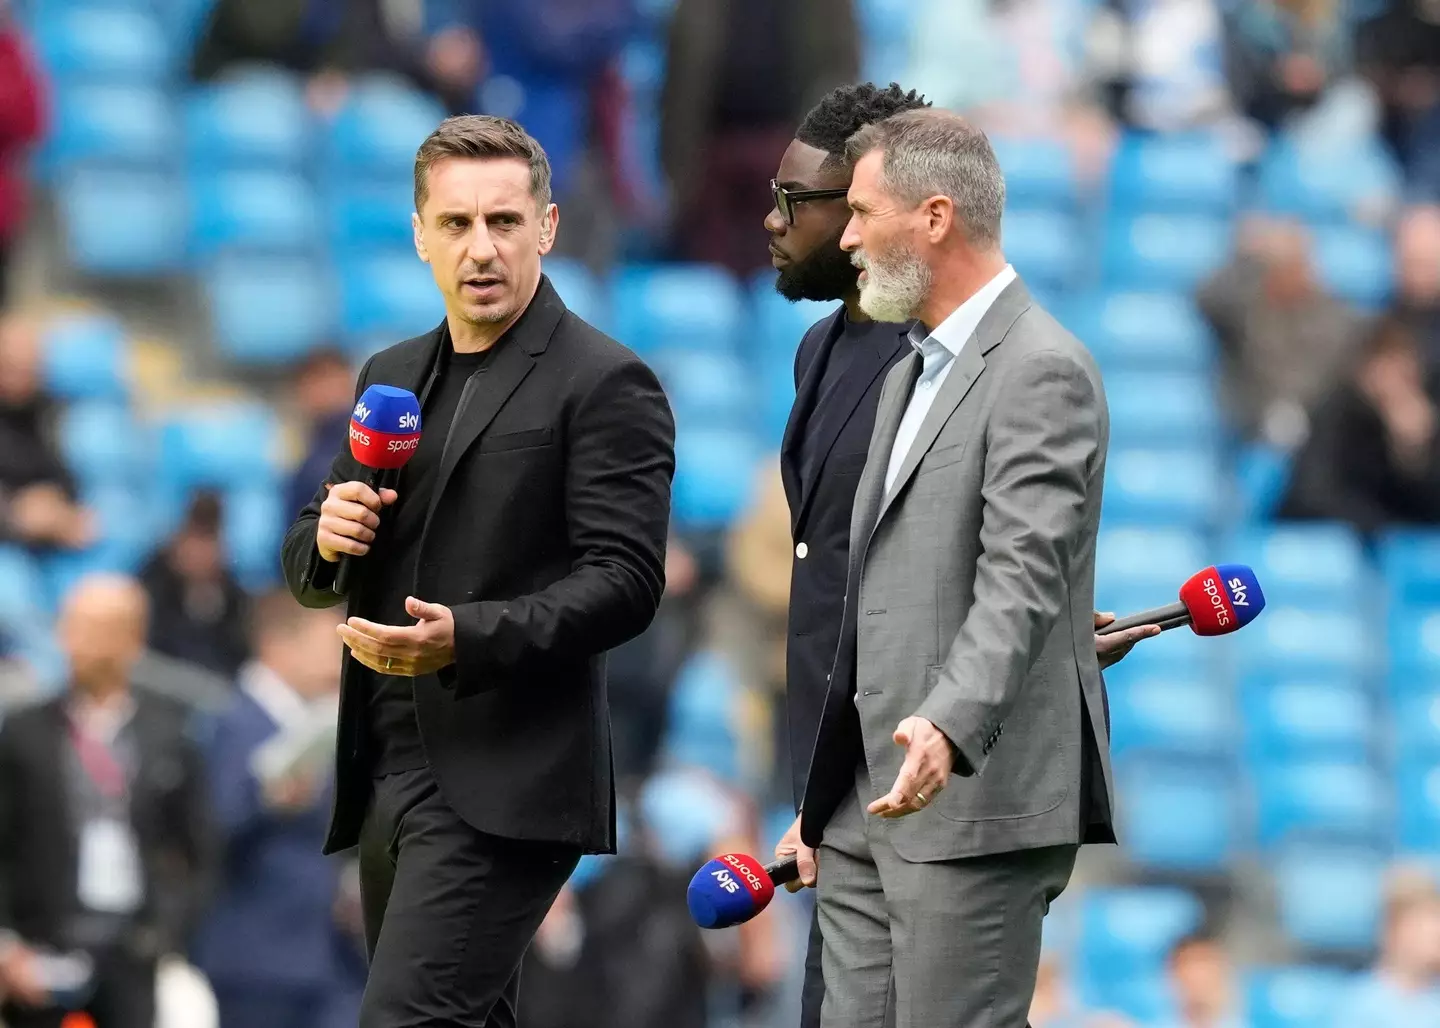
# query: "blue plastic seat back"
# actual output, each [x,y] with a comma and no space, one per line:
[1160,408]
[1044,246]
[1178,815]
[1186,174]
[1125,934]
[1164,252]
[216,444]
[388,294]
[123,224]
[103,443]
[1330,185]
[1307,641]
[104,44]
[251,118]
[1038,172]
[86,357]
[375,135]
[1155,560]
[715,475]
[112,126]
[1410,563]
[579,290]
[1180,713]
[1349,878]
[1296,717]
[255,211]
[1356,265]
[1316,567]
[1137,331]
[1417,784]
[1325,800]
[1151,485]
[269,309]
[707,390]
[659,307]
[1295,997]
[367,215]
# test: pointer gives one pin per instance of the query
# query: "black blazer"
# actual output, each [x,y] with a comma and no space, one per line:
[546,536]
[820,519]
[39,849]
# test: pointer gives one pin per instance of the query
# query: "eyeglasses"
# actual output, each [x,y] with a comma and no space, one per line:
[786,199]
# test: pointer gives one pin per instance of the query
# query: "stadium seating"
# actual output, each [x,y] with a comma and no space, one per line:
[1183,174]
[707,390]
[1329,186]
[269,309]
[1161,408]
[122,224]
[714,476]
[376,133]
[1323,799]
[1179,712]
[1410,565]
[86,358]
[104,45]
[1178,815]
[1312,567]
[1044,247]
[1124,938]
[1418,788]
[1295,997]
[262,212]
[253,118]
[112,127]
[103,444]
[1349,878]
[578,289]
[1145,485]
[1141,331]
[677,306]
[1163,252]
[1290,717]
[388,295]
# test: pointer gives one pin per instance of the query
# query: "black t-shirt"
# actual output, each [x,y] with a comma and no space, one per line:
[394,734]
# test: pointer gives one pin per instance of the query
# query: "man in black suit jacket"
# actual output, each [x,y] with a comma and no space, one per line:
[524,539]
[839,370]
[105,845]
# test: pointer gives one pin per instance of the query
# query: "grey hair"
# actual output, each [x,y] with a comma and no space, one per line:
[933,152]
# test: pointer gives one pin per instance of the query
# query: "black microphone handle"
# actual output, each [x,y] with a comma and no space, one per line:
[1172,615]
[783,871]
[345,566]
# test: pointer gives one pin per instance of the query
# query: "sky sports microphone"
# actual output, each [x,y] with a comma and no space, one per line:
[734,887]
[1216,601]
[384,433]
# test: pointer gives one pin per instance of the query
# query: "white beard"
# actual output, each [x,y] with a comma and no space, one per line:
[895,286]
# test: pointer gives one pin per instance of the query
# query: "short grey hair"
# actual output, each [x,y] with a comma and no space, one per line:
[932,152]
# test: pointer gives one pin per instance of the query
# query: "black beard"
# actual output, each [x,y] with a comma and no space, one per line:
[826,274]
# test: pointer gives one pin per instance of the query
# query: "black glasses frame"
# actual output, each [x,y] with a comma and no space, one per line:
[786,199]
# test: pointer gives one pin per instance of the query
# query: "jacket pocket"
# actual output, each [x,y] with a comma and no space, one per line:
[517,440]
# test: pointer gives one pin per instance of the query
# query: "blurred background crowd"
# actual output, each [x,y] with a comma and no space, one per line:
[204,228]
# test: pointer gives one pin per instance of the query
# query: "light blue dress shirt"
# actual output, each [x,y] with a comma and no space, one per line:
[938,351]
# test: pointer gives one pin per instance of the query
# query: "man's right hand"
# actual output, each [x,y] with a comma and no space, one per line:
[348,519]
[804,858]
[19,977]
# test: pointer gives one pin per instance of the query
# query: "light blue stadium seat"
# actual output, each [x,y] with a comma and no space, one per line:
[1355,264]
[886,21]
[1323,799]
[1186,174]
[1329,895]
[377,132]
[388,294]
[1292,717]
[1307,641]
[1262,473]
[255,211]
[1181,713]
[254,525]
[780,324]
[131,526]
[86,357]
[701,720]
[578,289]
[365,215]
[22,591]
[1417,784]
[1414,648]
[1159,486]
[1177,815]
[250,118]
[1328,185]
[1125,935]
[1410,562]
[642,65]
[777,385]
[693,306]
[706,390]
[112,125]
[715,475]
[99,44]
[1295,997]
[218,444]
[1045,246]
[1160,408]
[102,443]
[123,224]
[1164,252]
[1039,173]
[1417,724]
[1141,331]
[269,309]
[1151,560]
[1317,567]
[686,811]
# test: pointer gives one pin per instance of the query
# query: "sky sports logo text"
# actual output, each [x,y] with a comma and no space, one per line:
[360,436]
[362,412]
[745,872]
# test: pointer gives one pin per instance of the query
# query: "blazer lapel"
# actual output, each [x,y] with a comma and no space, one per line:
[969,365]
[893,400]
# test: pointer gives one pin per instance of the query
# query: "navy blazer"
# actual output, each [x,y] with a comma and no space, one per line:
[272,923]
[820,516]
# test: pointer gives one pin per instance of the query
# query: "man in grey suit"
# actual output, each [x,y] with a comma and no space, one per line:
[963,751]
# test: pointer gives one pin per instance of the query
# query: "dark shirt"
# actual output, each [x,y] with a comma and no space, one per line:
[395,735]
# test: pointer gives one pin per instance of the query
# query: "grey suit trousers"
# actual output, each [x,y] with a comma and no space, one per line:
[943,944]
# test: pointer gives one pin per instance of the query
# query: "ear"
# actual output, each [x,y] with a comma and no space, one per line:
[939,215]
[549,227]
[418,228]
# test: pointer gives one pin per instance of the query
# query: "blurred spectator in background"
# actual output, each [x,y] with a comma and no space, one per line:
[271,946]
[1417,276]
[1281,54]
[36,492]
[1055,1006]
[324,396]
[21,125]
[1398,51]
[1284,340]
[739,75]
[1202,984]
[1404,986]
[199,607]
[1372,459]
[104,834]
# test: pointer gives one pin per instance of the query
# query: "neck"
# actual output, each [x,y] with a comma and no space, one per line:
[469,337]
[853,312]
[960,279]
[102,694]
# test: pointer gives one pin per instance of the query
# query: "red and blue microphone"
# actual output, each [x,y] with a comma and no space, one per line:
[734,887]
[384,434]
[1218,600]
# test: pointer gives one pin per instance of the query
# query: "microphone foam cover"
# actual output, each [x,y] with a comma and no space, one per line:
[385,427]
[729,890]
[1222,599]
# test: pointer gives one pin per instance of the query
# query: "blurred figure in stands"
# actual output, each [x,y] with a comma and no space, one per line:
[1404,987]
[21,125]
[271,945]
[1417,277]
[1054,1004]
[324,395]
[1202,985]
[199,608]
[1284,341]
[1281,54]
[1372,459]
[104,838]
[37,501]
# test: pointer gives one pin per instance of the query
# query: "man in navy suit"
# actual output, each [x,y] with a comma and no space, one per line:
[839,370]
[271,947]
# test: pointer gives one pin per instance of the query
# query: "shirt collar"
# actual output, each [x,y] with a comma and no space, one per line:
[281,703]
[956,330]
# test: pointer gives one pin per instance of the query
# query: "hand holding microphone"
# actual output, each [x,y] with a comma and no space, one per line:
[1217,600]
[734,887]
[349,518]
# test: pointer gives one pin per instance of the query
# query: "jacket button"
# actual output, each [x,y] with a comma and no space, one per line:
[801,550]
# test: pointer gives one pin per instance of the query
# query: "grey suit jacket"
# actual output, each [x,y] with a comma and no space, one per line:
[970,598]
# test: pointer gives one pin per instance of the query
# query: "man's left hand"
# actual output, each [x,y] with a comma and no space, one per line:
[418,649]
[1112,648]
[929,756]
